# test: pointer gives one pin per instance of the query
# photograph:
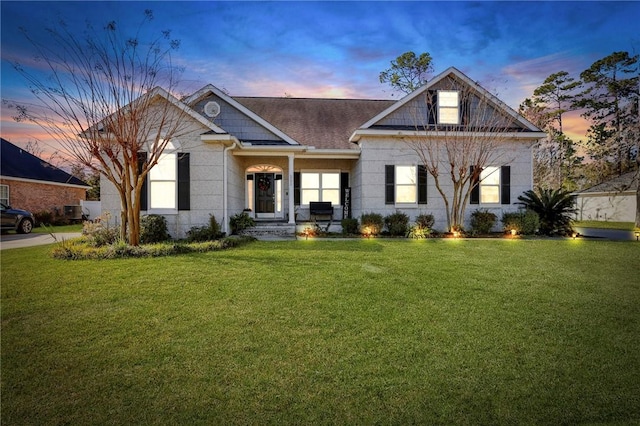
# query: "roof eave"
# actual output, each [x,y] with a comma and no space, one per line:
[358,134]
[45,182]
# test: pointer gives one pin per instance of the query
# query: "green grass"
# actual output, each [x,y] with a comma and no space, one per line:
[62,228]
[625,226]
[327,332]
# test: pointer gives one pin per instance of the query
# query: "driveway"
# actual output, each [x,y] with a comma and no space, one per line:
[9,241]
[609,234]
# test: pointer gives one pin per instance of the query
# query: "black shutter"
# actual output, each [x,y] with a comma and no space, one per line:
[184,197]
[432,106]
[389,185]
[344,184]
[422,184]
[296,188]
[475,187]
[505,185]
[142,158]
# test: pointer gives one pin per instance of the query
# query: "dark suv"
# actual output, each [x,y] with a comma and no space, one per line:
[17,220]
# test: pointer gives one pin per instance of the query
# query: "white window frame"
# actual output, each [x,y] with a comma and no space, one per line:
[320,188]
[448,107]
[3,189]
[490,179]
[165,171]
[401,184]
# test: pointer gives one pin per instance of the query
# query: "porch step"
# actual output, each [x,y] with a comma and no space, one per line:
[271,231]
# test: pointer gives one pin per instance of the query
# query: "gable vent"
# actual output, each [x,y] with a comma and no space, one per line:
[212,109]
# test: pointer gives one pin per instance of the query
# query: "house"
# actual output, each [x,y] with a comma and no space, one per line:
[613,200]
[30,183]
[271,157]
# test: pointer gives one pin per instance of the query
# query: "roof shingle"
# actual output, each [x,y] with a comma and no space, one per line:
[18,163]
[322,123]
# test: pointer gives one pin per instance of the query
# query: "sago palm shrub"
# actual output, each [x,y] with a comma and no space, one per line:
[555,209]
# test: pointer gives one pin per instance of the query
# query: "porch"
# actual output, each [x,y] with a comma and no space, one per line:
[282,230]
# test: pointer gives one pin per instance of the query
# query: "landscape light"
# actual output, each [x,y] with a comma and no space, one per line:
[366,231]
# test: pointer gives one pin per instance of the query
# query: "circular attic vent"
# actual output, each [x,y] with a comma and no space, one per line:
[212,109]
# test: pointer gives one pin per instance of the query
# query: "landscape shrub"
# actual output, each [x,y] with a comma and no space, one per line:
[43,217]
[397,224]
[482,221]
[240,222]
[99,233]
[418,232]
[423,227]
[81,250]
[555,209]
[425,221]
[153,229]
[205,233]
[371,223]
[349,226]
[524,222]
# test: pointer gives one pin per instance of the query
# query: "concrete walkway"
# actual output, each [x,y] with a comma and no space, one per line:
[9,241]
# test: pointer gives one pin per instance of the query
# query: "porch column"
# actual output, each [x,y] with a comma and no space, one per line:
[292,207]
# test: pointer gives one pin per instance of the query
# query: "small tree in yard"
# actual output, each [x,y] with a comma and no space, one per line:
[455,149]
[100,100]
[554,207]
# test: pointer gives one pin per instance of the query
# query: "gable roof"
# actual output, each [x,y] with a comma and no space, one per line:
[453,72]
[322,123]
[211,89]
[18,163]
[627,182]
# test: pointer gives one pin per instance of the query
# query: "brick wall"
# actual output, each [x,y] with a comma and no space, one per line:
[36,197]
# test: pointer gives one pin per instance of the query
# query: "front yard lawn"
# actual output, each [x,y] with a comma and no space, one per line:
[327,332]
[600,224]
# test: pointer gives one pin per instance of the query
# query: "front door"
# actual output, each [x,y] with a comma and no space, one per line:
[265,195]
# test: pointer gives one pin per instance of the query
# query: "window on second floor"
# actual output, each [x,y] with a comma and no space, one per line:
[448,107]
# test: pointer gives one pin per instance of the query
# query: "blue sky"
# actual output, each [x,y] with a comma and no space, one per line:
[337,49]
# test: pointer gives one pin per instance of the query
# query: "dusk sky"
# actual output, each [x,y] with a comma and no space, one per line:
[337,49]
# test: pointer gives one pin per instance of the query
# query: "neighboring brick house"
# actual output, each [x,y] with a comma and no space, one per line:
[30,183]
[273,157]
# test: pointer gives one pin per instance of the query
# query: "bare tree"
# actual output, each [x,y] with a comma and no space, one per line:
[100,100]
[456,144]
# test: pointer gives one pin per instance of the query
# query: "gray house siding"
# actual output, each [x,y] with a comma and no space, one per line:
[380,152]
[236,122]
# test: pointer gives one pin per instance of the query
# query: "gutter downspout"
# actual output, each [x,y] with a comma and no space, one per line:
[225,192]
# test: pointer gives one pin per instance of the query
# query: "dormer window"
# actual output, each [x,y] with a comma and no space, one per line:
[448,107]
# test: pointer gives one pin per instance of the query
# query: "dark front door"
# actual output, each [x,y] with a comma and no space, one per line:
[265,193]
